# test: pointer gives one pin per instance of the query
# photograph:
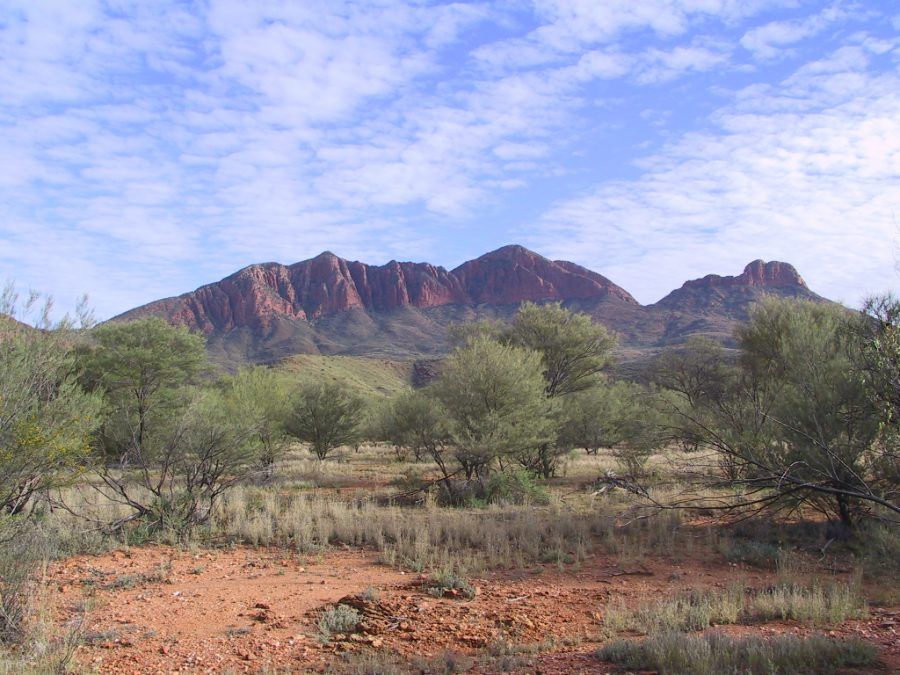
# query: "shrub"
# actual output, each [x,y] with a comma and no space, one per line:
[514,487]
[339,619]
[691,611]
[449,583]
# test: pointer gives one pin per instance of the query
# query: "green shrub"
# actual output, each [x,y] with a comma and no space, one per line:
[756,553]
[816,605]
[449,583]
[514,487]
[338,619]
[691,611]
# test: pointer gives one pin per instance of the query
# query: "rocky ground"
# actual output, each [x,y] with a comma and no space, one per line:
[161,609]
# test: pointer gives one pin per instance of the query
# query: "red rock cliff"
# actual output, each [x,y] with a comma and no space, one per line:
[326,284]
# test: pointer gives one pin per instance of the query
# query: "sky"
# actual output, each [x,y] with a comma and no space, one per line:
[147,148]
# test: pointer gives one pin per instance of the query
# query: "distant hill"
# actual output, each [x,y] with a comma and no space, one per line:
[327,305]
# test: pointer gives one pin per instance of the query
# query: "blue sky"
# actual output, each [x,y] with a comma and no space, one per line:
[147,148]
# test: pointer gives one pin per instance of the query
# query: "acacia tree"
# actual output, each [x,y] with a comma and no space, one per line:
[167,449]
[414,421]
[261,396]
[494,399]
[615,415]
[325,415]
[574,351]
[794,423]
[46,418]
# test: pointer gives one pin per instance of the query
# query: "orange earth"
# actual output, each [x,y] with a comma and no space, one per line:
[165,610]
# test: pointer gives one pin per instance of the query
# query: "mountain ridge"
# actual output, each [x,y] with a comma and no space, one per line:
[327,304]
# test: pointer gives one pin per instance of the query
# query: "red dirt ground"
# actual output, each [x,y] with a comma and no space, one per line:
[244,610]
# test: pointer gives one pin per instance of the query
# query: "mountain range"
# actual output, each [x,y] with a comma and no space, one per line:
[402,310]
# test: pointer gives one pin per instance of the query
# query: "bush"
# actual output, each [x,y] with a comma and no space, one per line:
[697,610]
[448,583]
[21,556]
[716,653]
[339,619]
[514,487]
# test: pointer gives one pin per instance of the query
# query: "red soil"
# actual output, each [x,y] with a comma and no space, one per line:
[165,610]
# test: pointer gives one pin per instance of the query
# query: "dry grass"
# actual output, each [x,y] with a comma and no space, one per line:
[816,605]
[417,538]
[716,653]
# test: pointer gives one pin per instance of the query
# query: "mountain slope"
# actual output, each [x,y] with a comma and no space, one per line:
[328,305]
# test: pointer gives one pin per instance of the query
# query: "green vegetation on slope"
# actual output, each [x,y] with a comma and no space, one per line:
[379,377]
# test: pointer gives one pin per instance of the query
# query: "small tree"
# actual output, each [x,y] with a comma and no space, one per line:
[574,349]
[413,421]
[794,423]
[261,397]
[574,352]
[615,415]
[167,449]
[493,395]
[46,418]
[325,415]
[142,367]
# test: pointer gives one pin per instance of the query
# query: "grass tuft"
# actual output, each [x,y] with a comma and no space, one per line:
[716,653]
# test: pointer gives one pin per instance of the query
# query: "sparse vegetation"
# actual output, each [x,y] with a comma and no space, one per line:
[818,605]
[338,619]
[716,653]
[475,472]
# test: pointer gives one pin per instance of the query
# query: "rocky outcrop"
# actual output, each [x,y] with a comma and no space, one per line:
[403,310]
[325,285]
[758,274]
[514,274]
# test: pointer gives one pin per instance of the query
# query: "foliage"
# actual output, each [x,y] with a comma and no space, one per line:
[46,418]
[414,420]
[142,368]
[167,450]
[792,421]
[573,348]
[493,395]
[325,415]
[261,397]
[616,415]
[574,351]
[21,557]
[338,619]
[514,487]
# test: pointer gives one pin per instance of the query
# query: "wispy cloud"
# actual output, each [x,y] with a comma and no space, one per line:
[805,171]
[146,148]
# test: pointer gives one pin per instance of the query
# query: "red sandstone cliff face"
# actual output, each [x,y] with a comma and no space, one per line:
[514,274]
[256,296]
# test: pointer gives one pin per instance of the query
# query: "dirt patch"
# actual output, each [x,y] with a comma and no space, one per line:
[243,610]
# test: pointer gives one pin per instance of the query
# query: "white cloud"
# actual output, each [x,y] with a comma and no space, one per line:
[805,172]
[773,39]
[147,147]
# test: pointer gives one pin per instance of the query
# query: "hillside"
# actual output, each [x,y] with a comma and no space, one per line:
[370,377]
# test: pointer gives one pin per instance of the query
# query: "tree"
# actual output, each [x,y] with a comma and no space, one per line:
[493,395]
[261,396]
[615,415]
[794,423]
[325,415]
[46,418]
[167,449]
[142,367]
[574,352]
